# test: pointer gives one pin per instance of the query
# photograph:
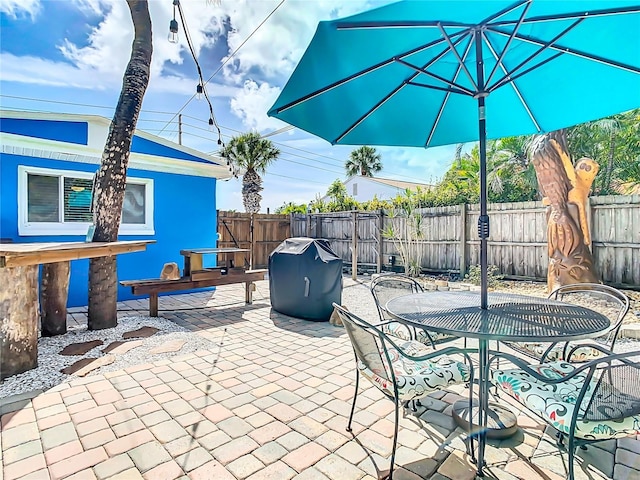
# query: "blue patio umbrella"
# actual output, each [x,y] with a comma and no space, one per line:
[435,72]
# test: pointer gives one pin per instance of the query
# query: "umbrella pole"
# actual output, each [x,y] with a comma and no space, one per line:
[483,221]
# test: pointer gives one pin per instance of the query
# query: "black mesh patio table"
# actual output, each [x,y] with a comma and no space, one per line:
[509,317]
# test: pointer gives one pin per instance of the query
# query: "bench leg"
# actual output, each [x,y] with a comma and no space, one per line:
[153,304]
[249,288]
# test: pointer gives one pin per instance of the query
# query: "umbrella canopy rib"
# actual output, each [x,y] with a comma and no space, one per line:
[455,53]
[446,97]
[424,71]
[570,51]
[508,78]
[441,89]
[408,81]
[528,60]
[513,83]
[363,72]
[500,58]
[426,23]
[569,16]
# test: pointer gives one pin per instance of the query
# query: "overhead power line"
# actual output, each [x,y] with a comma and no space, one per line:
[228,58]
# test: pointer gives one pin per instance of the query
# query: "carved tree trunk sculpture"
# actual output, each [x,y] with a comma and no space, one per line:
[565,188]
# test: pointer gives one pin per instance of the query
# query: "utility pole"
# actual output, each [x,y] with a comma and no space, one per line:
[180,129]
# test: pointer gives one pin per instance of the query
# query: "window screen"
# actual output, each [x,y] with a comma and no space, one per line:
[355,189]
[43,198]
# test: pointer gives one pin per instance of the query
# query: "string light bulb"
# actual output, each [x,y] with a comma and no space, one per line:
[211,124]
[199,91]
[173,31]
[173,25]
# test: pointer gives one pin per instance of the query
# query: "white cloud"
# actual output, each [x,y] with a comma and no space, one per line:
[251,104]
[17,8]
[39,71]
[276,47]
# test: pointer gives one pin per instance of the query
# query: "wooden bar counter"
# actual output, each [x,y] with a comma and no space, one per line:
[19,303]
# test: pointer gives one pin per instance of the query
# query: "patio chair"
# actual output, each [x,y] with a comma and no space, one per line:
[402,371]
[604,299]
[392,285]
[594,401]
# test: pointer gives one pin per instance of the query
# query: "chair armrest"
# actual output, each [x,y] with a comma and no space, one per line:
[524,366]
[590,366]
[595,346]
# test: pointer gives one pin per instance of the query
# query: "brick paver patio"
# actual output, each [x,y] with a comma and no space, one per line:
[269,400]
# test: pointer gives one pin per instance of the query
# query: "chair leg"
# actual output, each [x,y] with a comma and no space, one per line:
[355,395]
[395,439]
[572,454]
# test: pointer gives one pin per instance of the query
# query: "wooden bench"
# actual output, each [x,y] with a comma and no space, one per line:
[155,286]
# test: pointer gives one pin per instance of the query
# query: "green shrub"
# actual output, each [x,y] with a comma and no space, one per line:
[493,275]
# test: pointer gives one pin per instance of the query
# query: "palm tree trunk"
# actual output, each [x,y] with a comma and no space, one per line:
[111,177]
[609,173]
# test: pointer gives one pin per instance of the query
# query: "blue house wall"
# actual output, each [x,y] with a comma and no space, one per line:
[184,213]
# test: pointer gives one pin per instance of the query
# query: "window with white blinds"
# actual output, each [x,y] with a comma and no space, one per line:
[59,202]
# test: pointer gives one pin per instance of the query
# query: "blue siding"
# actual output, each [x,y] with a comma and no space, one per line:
[142,145]
[61,131]
[184,217]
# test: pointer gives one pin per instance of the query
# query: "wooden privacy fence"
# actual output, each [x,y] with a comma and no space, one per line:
[517,241]
[269,230]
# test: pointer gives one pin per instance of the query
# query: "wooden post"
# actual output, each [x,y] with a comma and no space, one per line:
[53,294]
[319,226]
[308,224]
[18,320]
[354,247]
[153,304]
[463,240]
[380,239]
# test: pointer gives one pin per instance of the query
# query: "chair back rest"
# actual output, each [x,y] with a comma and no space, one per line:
[617,391]
[602,298]
[367,341]
[392,285]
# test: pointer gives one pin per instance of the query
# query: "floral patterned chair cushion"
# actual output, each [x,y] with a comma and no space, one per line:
[557,402]
[536,350]
[416,378]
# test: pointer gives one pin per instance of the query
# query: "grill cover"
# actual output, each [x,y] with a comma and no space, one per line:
[305,278]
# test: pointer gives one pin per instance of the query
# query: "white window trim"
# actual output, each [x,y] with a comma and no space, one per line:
[26,228]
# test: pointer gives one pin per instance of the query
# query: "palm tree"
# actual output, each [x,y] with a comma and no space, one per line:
[253,154]
[111,178]
[363,161]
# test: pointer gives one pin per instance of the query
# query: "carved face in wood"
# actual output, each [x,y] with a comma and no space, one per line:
[587,169]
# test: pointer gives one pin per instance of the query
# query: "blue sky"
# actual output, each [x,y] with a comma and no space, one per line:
[69,56]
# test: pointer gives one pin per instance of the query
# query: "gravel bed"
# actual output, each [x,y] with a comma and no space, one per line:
[48,373]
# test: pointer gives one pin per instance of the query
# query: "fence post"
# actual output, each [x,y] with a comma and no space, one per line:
[319,227]
[308,224]
[290,225]
[252,239]
[380,238]
[463,240]
[354,247]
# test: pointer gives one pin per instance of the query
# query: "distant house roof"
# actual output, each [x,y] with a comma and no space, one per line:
[399,183]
